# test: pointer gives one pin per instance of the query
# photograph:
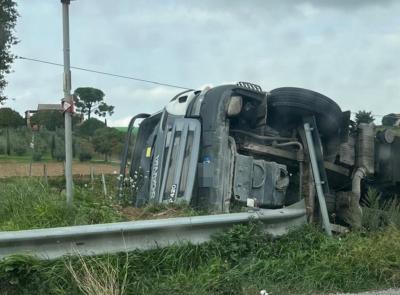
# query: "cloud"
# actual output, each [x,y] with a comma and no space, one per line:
[307,9]
[352,4]
[346,49]
[123,122]
[140,100]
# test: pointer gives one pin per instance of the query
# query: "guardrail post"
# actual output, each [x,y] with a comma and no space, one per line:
[317,179]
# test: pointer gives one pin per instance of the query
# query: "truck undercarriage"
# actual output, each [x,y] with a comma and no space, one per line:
[235,145]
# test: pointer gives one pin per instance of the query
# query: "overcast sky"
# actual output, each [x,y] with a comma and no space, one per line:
[348,50]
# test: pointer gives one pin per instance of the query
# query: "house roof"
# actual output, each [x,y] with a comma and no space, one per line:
[49,106]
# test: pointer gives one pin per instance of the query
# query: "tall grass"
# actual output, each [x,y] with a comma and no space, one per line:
[241,261]
[379,212]
[29,203]
[99,277]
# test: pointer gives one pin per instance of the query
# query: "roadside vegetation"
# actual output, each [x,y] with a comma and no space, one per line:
[24,145]
[40,136]
[241,261]
[29,203]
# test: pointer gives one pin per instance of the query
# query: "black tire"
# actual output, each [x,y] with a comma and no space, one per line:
[288,105]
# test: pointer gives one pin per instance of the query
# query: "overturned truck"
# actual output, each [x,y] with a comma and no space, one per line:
[236,145]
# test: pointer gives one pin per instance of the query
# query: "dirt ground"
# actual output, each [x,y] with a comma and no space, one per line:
[53,169]
[132,213]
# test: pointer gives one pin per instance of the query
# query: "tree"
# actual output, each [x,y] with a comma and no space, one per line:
[103,110]
[105,139]
[89,127]
[88,100]
[51,119]
[8,19]
[8,145]
[364,117]
[390,119]
[10,118]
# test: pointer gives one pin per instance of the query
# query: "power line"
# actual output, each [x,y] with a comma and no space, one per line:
[105,73]
[126,77]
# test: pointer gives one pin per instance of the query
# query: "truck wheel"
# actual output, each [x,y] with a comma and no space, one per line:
[288,105]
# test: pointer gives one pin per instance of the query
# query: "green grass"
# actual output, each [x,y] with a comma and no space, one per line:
[23,159]
[29,203]
[242,260]
[125,129]
[379,212]
[122,129]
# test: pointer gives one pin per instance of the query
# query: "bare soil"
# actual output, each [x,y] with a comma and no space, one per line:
[53,169]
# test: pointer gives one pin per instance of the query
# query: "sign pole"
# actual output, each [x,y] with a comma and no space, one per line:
[67,101]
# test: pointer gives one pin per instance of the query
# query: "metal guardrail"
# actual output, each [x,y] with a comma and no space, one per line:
[96,239]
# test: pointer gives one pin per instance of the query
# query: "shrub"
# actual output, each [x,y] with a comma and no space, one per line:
[19,145]
[10,118]
[105,139]
[59,149]
[59,155]
[20,150]
[50,119]
[390,119]
[89,127]
[40,145]
[379,212]
[85,156]
[37,156]
[53,146]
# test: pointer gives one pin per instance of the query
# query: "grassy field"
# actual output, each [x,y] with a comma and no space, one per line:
[27,203]
[125,129]
[241,261]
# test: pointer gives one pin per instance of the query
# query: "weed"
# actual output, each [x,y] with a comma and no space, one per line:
[239,261]
[93,276]
[29,203]
[243,260]
[378,213]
